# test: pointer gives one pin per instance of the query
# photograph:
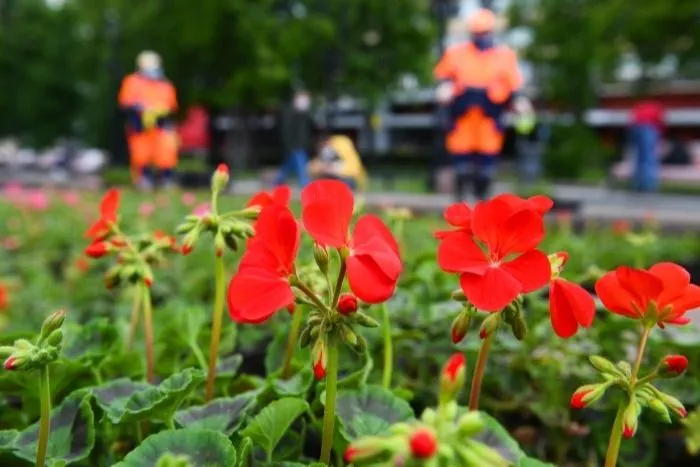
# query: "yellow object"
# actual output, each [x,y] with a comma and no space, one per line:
[352,164]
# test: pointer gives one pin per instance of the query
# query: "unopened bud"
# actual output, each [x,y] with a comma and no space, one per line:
[470,424]
[460,326]
[319,359]
[231,242]
[364,320]
[347,304]
[519,327]
[6,351]
[321,258]
[487,455]
[673,404]
[220,178]
[219,244]
[489,325]
[22,344]
[348,335]
[148,278]
[53,322]
[361,345]
[55,338]
[587,395]
[452,377]
[672,366]
[423,443]
[305,337]
[363,449]
[660,408]
[630,418]
[458,296]
[14,363]
[605,366]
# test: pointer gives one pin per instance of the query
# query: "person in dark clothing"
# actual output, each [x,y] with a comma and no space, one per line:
[678,155]
[296,138]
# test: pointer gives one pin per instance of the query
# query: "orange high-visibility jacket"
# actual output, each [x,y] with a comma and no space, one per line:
[150,94]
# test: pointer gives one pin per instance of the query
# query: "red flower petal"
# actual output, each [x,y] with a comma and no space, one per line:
[457,252]
[110,204]
[640,284]
[540,203]
[569,306]
[459,215]
[675,281]
[506,231]
[98,230]
[690,300]
[370,226]
[491,291]
[278,232]
[531,269]
[261,198]
[614,297]
[368,280]
[281,195]
[255,294]
[327,207]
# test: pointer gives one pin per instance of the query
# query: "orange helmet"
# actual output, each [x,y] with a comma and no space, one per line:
[483,21]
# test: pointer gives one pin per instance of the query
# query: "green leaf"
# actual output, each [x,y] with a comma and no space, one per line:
[7,439]
[90,343]
[359,378]
[224,415]
[270,425]
[244,449]
[276,350]
[297,385]
[228,367]
[532,462]
[72,432]
[497,437]
[370,411]
[204,448]
[124,401]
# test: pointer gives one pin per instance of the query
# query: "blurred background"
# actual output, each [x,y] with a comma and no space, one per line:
[368,67]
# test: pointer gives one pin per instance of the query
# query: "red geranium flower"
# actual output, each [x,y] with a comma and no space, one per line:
[570,305]
[373,262]
[279,195]
[261,286]
[664,290]
[3,297]
[509,264]
[108,216]
[459,216]
[538,203]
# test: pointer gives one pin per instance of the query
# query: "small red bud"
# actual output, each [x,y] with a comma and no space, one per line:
[223,168]
[319,370]
[219,252]
[350,454]
[186,249]
[347,304]
[483,334]
[682,412]
[290,308]
[10,363]
[674,365]
[148,281]
[97,249]
[628,431]
[453,366]
[577,399]
[423,444]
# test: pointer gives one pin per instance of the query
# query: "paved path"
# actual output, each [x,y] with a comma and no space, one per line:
[598,203]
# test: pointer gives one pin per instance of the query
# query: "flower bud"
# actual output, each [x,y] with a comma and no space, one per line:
[220,178]
[458,296]
[423,443]
[305,336]
[587,395]
[55,338]
[363,449]
[672,366]
[15,363]
[605,366]
[53,322]
[347,304]
[22,344]
[460,326]
[452,377]
[519,327]
[230,240]
[659,407]
[219,244]
[97,249]
[630,418]
[321,258]
[6,351]
[470,424]
[319,359]
[674,404]
[490,325]
[148,277]
[364,320]
[348,335]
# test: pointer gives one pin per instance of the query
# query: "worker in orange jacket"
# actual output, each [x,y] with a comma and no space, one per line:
[477,81]
[148,99]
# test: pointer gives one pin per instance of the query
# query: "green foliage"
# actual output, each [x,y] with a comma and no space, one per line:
[564,157]
[269,427]
[370,411]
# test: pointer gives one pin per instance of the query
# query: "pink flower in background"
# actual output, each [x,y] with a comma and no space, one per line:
[38,200]
[71,198]
[146,209]
[162,200]
[10,243]
[189,198]
[13,191]
[202,209]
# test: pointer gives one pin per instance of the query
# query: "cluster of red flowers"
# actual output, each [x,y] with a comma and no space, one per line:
[263,283]
[494,249]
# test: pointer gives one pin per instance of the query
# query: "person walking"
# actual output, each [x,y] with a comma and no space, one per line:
[647,125]
[297,127]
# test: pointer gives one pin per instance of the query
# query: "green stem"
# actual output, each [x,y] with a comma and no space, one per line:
[198,354]
[647,379]
[638,362]
[312,296]
[169,422]
[479,370]
[216,324]
[615,438]
[139,432]
[329,412]
[148,332]
[339,282]
[388,348]
[292,342]
[134,320]
[45,420]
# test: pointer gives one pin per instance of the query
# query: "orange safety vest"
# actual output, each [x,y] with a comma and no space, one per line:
[151,94]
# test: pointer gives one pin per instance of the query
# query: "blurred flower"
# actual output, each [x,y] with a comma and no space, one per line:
[108,216]
[4,297]
[202,209]
[146,209]
[621,227]
[279,195]
[82,264]
[37,200]
[662,294]
[423,443]
[10,243]
[71,198]
[189,198]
